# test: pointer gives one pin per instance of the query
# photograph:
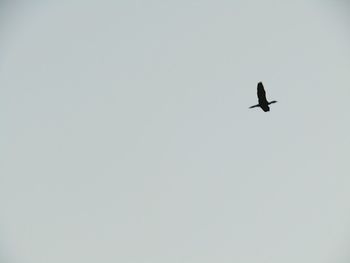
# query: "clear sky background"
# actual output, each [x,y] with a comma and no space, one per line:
[126,135]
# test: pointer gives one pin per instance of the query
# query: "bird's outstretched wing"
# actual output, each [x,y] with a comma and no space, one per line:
[261,93]
[254,106]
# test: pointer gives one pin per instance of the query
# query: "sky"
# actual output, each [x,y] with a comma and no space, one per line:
[126,134]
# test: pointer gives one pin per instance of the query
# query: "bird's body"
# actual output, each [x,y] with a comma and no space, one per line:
[263,103]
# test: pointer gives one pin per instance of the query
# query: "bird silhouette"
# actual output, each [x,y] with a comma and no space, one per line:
[263,103]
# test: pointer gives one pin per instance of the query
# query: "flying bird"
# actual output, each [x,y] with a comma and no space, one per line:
[263,103]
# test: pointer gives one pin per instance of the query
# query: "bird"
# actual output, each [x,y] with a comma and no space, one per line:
[263,103]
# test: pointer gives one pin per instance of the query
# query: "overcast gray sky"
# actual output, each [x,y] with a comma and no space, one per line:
[126,135]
